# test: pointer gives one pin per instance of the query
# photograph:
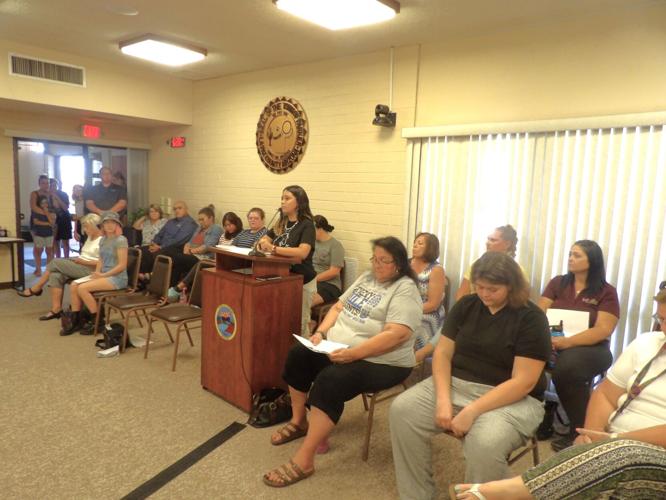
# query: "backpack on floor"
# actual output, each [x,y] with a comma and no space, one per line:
[269,407]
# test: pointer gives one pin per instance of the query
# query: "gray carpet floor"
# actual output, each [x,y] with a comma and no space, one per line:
[76,426]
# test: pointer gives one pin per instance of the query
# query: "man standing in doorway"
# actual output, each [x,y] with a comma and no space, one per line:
[106,196]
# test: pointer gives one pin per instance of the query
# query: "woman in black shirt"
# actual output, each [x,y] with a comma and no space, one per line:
[293,235]
[487,382]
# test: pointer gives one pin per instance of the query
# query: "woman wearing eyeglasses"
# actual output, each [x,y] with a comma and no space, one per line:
[621,451]
[376,317]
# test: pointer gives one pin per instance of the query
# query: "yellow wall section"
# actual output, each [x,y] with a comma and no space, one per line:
[612,64]
[121,90]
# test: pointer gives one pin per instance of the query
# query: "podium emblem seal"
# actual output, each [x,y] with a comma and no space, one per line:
[282,135]
[225,321]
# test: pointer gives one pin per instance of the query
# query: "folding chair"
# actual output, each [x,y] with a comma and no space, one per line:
[370,399]
[133,265]
[154,296]
[180,316]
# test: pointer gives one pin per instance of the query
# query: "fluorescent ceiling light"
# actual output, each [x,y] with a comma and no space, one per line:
[161,50]
[341,14]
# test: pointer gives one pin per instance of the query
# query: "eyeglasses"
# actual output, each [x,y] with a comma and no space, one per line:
[658,318]
[382,261]
[179,208]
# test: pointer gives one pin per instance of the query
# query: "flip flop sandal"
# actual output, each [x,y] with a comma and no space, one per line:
[456,489]
[29,294]
[288,433]
[50,315]
[288,474]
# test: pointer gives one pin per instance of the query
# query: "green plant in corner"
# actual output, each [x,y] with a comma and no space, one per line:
[137,214]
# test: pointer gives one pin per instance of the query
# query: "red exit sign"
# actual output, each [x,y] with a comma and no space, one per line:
[177,142]
[91,131]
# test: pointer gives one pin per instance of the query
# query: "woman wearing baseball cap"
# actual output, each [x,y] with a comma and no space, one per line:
[110,274]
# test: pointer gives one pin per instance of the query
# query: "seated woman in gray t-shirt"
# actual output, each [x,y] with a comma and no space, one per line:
[328,261]
[376,317]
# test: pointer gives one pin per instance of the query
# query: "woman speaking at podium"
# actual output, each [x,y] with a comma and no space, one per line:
[293,235]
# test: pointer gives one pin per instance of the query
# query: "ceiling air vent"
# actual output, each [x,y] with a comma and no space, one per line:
[46,70]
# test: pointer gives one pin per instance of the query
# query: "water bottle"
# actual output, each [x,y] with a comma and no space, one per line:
[555,331]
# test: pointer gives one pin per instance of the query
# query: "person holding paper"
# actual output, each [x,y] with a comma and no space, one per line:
[487,382]
[110,274]
[293,235]
[376,317]
[621,451]
[59,271]
[583,354]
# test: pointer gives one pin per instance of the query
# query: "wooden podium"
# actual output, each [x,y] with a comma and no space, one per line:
[248,322]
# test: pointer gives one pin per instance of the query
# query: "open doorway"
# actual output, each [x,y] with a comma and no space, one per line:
[70,165]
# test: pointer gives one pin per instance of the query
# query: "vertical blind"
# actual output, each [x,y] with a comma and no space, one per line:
[607,185]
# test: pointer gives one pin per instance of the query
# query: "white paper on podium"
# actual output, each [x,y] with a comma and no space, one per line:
[324,347]
[238,250]
[573,321]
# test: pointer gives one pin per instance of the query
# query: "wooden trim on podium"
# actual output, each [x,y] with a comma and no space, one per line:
[228,261]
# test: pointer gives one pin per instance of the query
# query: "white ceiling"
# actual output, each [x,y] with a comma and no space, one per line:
[248,35]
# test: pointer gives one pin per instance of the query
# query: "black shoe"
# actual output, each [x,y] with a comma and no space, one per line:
[545,429]
[75,324]
[561,443]
[50,315]
[89,326]
[28,292]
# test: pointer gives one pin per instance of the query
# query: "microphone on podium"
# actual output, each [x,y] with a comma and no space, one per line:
[255,252]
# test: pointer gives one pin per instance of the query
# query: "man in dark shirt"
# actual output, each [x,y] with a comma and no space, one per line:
[63,231]
[171,238]
[106,196]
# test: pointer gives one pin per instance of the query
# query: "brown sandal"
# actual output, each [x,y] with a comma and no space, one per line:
[288,474]
[288,433]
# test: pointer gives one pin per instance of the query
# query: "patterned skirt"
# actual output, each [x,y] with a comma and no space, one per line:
[611,469]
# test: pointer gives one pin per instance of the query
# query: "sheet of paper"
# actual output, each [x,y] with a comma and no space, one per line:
[325,346]
[238,250]
[83,280]
[573,321]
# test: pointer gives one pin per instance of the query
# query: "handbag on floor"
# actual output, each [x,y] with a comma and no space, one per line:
[269,407]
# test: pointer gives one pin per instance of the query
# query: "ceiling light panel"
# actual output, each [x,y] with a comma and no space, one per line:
[341,14]
[161,51]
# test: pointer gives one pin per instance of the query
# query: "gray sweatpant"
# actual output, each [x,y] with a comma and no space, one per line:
[61,270]
[486,446]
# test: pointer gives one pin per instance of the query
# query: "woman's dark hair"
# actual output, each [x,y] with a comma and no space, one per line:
[509,234]
[209,211]
[660,298]
[499,268]
[157,208]
[431,253]
[41,198]
[304,211]
[232,218]
[257,210]
[399,253]
[596,274]
[321,222]
[43,177]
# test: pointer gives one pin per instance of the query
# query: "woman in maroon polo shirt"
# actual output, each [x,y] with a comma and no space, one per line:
[582,356]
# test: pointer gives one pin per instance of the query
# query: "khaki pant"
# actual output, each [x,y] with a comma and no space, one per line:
[486,446]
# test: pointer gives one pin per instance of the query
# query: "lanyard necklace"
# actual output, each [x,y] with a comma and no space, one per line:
[638,385]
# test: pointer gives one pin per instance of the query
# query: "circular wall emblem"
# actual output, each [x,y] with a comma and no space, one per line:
[225,321]
[282,134]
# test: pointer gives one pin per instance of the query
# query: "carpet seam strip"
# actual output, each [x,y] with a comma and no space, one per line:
[180,466]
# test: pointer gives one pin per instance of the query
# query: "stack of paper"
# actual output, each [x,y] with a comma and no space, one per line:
[324,347]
